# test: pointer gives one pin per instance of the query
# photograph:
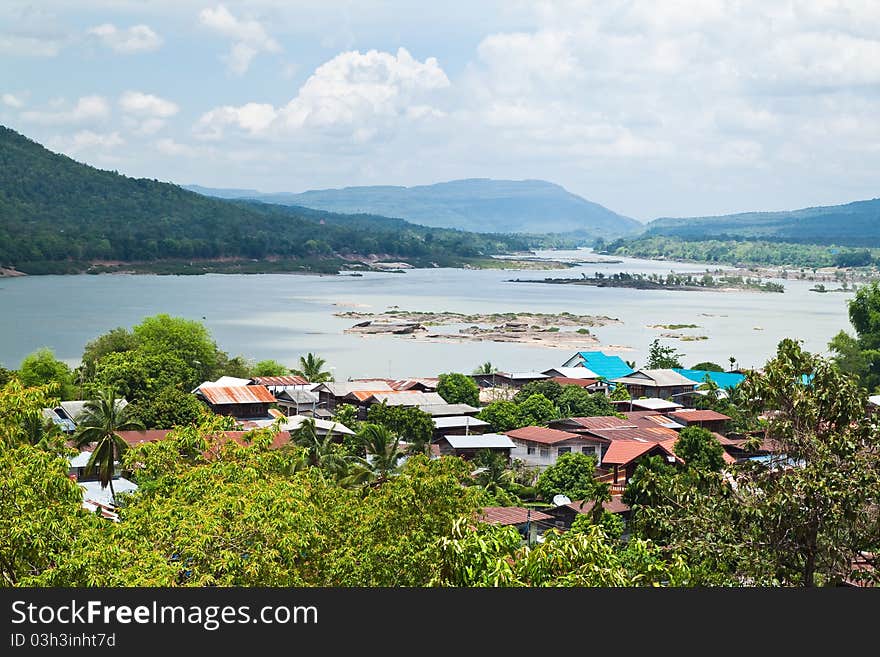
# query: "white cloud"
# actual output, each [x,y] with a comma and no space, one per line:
[87,108]
[11,100]
[135,39]
[29,46]
[249,37]
[87,141]
[141,104]
[168,146]
[353,94]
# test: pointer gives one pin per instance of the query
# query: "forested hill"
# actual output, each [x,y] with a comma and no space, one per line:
[853,224]
[59,215]
[480,204]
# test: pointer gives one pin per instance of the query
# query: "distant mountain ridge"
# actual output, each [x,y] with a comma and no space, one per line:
[475,204]
[850,224]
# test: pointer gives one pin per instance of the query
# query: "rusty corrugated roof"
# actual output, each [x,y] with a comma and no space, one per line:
[511,515]
[542,435]
[290,380]
[222,395]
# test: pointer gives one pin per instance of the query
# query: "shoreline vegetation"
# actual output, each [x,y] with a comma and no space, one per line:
[537,329]
[681,282]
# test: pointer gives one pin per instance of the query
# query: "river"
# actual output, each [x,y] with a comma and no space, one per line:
[283,316]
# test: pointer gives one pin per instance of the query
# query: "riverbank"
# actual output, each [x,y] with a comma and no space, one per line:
[687,283]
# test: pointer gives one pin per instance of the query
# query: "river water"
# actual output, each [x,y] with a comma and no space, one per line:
[283,316]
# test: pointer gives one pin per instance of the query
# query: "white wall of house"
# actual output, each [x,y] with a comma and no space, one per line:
[546,455]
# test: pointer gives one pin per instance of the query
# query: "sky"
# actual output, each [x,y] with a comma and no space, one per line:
[679,108]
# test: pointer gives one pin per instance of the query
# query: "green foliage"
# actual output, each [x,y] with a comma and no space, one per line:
[537,410]
[571,475]
[493,556]
[550,389]
[797,521]
[860,355]
[619,393]
[383,457]
[138,375]
[169,408]
[698,448]
[269,368]
[458,388]
[708,366]
[503,415]
[486,368]
[116,340]
[184,339]
[311,368]
[661,357]
[577,402]
[41,368]
[412,425]
[611,523]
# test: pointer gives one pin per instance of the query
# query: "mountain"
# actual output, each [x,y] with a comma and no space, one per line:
[852,224]
[478,204]
[59,216]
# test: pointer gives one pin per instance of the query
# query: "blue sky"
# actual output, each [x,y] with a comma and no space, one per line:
[678,108]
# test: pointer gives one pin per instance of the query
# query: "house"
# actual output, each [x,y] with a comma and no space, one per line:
[571,373]
[448,410]
[277,384]
[653,404]
[333,393]
[507,379]
[67,413]
[461,425]
[711,420]
[600,365]
[564,514]
[622,455]
[322,427]
[724,380]
[651,419]
[242,402]
[297,400]
[530,523]
[541,446]
[660,384]
[468,446]
[424,384]
[363,399]
[95,497]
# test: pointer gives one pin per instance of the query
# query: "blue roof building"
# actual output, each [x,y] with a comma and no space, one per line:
[603,365]
[724,380]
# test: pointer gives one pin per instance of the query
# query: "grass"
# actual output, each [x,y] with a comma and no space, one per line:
[673,327]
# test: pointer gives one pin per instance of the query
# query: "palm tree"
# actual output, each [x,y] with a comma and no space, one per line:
[732,361]
[41,432]
[311,368]
[486,368]
[319,451]
[101,420]
[492,473]
[383,456]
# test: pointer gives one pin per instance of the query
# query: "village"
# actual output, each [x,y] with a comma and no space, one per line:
[649,408]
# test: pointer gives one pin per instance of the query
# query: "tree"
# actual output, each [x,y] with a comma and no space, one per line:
[411,424]
[187,340]
[269,368]
[550,389]
[699,448]
[459,389]
[42,432]
[493,475]
[486,368]
[101,419]
[170,408]
[661,357]
[860,355]
[41,367]
[320,451]
[117,340]
[797,520]
[311,368]
[577,402]
[383,456]
[138,375]
[503,415]
[18,403]
[708,366]
[619,393]
[571,475]
[611,524]
[537,410]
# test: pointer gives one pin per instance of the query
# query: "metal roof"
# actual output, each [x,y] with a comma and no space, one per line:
[603,365]
[511,515]
[621,452]
[662,378]
[439,410]
[695,415]
[342,388]
[450,421]
[408,398]
[654,404]
[222,395]
[92,491]
[278,381]
[637,434]
[484,441]
[572,372]
[721,379]
[73,409]
[543,435]
[298,395]
[81,460]
[599,422]
[294,422]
